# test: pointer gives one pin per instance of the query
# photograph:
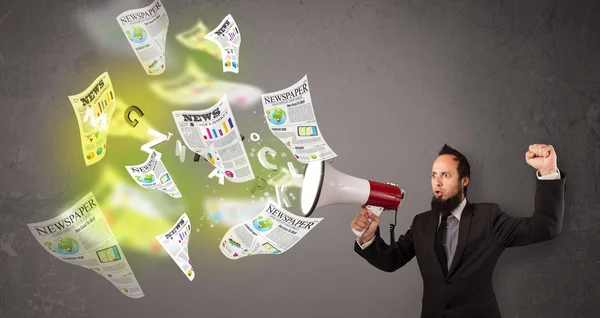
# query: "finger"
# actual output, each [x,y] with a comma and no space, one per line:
[542,151]
[529,155]
[362,224]
[373,217]
[361,218]
[533,150]
[546,151]
[358,228]
[363,210]
[532,147]
[354,225]
[539,149]
[550,150]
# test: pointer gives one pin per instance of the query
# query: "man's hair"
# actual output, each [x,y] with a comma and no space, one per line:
[464,169]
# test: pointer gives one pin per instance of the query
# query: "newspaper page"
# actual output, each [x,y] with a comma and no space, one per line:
[152,174]
[195,86]
[146,29]
[216,127]
[94,108]
[274,231]
[227,36]
[175,242]
[81,236]
[194,39]
[291,118]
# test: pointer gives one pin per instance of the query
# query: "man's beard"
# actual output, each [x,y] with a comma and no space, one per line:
[440,205]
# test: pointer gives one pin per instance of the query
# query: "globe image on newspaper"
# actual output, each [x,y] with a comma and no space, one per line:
[276,116]
[63,245]
[137,34]
[147,178]
[262,224]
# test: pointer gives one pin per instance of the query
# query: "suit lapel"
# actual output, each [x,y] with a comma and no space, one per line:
[463,234]
[432,227]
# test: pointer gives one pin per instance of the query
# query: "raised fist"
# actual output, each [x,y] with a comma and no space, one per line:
[542,157]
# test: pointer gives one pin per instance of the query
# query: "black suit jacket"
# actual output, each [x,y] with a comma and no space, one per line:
[484,232]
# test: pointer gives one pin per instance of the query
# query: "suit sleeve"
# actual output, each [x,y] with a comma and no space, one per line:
[545,223]
[389,258]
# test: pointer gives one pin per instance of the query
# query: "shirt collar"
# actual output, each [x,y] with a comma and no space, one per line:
[457,212]
[459,209]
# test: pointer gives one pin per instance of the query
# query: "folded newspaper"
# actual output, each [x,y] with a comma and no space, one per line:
[94,108]
[291,118]
[216,127]
[227,36]
[175,242]
[273,231]
[152,174]
[81,236]
[146,29]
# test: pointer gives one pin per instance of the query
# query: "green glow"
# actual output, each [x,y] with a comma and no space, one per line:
[136,215]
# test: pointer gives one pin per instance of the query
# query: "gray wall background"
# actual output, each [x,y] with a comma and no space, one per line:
[392,82]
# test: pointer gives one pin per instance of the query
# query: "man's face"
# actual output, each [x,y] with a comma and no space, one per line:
[445,182]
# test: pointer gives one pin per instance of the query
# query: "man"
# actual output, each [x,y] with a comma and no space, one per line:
[457,243]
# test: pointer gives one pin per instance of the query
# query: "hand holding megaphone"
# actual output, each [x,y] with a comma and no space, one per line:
[364,223]
[323,185]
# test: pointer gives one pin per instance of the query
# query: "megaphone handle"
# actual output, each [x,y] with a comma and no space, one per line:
[375,210]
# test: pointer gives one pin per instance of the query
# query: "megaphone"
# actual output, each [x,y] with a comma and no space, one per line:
[323,185]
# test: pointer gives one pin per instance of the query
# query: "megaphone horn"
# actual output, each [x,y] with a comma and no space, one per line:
[322,185]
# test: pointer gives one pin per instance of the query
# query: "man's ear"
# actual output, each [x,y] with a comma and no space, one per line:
[465,181]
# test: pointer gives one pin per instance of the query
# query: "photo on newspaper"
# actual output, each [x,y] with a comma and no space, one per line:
[193,38]
[273,231]
[94,108]
[216,127]
[194,86]
[146,30]
[81,236]
[291,118]
[152,174]
[227,36]
[175,242]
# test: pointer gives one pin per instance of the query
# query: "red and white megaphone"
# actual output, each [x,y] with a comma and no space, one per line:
[323,185]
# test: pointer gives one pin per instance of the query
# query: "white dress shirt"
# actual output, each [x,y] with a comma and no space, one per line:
[458,210]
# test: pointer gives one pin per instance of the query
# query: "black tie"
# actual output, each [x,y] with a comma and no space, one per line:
[440,240]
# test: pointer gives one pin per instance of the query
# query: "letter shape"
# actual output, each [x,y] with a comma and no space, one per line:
[159,138]
[128,111]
